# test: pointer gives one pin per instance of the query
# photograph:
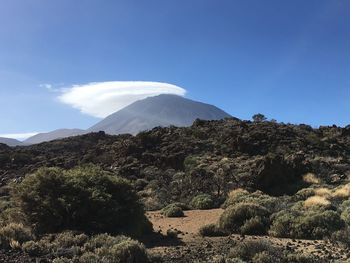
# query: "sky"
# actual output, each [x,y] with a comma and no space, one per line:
[67,64]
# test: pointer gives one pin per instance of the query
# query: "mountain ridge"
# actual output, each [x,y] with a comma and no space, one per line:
[162,110]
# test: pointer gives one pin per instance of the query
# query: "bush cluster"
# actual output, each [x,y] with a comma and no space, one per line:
[211,230]
[86,199]
[245,218]
[202,201]
[261,251]
[79,248]
[172,210]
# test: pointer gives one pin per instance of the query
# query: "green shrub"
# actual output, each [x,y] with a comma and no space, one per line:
[75,247]
[342,237]
[183,206]
[127,251]
[245,217]
[254,226]
[247,250]
[102,240]
[202,201]
[303,194]
[90,257]
[172,211]
[264,257]
[211,230]
[85,199]
[69,239]
[14,233]
[315,223]
[345,215]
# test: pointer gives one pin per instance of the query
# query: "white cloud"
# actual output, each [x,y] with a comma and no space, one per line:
[19,136]
[101,99]
[49,87]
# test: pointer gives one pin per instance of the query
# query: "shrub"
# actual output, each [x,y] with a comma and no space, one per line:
[33,249]
[69,239]
[235,196]
[264,257]
[211,230]
[126,251]
[202,201]
[259,198]
[342,192]
[345,215]
[316,200]
[102,240]
[342,237]
[85,199]
[282,223]
[75,247]
[303,194]
[183,206]
[235,217]
[14,232]
[254,226]
[172,211]
[315,223]
[246,250]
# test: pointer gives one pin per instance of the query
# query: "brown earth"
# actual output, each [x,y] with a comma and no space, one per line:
[191,247]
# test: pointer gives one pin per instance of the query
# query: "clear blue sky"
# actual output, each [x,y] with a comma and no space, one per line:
[287,59]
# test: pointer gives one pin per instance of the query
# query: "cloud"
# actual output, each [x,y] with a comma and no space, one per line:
[49,87]
[19,136]
[101,99]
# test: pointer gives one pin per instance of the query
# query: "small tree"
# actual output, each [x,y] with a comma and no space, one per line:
[259,117]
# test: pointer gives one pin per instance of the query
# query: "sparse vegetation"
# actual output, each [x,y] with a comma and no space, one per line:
[271,178]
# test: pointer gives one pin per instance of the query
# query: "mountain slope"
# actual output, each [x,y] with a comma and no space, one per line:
[57,134]
[10,142]
[163,110]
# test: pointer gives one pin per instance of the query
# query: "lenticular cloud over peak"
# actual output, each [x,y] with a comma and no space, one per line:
[101,99]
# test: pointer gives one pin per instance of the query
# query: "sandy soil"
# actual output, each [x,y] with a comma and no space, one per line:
[189,224]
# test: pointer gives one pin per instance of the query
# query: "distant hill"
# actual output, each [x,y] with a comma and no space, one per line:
[10,142]
[57,134]
[163,110]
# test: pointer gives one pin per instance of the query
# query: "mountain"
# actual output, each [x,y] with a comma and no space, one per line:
[10,142]
[57,134]
[163,110]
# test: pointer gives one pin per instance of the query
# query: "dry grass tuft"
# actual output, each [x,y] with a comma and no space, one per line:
[311,178]
[342,192]
[323,192]
[316,200]
[237,192]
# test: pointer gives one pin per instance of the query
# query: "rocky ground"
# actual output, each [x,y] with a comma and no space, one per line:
[191,247]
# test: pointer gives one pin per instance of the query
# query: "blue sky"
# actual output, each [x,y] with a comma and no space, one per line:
[287,59]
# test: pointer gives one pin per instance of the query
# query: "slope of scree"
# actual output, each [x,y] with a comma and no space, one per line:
[175,164]
[162,110]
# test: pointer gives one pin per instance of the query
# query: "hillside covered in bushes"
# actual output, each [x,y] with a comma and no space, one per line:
[274,179]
